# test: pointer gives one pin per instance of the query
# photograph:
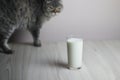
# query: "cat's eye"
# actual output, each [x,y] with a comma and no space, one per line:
[58,8]
[49,1]
[51,7]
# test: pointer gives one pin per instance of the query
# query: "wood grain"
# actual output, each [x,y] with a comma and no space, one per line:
[101,61]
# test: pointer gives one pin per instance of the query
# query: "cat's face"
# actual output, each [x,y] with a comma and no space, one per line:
[54,6]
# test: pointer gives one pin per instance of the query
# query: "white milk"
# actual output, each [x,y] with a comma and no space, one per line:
[75,51]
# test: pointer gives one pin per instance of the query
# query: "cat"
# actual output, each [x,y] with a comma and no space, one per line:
[28,14]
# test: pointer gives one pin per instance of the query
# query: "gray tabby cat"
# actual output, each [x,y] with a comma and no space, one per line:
[28,14]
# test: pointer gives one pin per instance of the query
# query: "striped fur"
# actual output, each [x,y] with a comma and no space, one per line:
[26,14]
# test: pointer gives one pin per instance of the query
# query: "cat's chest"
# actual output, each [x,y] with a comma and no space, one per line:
[25,13]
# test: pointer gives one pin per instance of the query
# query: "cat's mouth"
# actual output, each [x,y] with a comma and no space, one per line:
[56,11]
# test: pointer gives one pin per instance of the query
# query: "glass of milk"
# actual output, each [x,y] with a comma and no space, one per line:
[75,52]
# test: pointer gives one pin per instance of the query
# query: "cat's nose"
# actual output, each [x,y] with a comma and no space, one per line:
[57,10]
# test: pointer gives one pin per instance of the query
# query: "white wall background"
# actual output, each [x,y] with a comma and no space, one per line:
[89,19]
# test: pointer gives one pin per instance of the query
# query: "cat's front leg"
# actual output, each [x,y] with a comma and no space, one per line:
[4,47]
[5,33]
[36,33]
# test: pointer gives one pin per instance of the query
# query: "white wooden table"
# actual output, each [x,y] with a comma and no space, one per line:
[101,61]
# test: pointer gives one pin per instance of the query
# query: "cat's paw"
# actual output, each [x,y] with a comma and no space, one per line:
[37,43]
[9,51]
[5,49]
